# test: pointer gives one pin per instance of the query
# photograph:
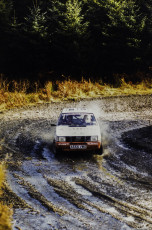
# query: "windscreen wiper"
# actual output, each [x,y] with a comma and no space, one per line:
[77,125]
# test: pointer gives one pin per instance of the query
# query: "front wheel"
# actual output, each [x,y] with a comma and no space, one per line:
[55,150]
[54,147]
[100,151]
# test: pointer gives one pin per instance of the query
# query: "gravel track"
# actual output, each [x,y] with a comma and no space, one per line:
[112,191]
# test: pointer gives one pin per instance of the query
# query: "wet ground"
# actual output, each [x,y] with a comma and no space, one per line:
[112,191]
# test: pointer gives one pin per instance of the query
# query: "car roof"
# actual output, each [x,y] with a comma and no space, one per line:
[76,110]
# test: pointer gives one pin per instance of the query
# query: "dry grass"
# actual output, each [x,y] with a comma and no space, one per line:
[5,211]
[14,94]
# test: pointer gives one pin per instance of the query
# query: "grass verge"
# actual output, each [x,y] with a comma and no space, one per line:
[14,94]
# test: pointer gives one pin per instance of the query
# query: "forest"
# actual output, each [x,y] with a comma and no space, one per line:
[90,38]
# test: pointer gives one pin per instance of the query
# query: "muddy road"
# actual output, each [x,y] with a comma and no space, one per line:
[112,191]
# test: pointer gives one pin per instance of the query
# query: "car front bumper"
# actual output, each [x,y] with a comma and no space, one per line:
[77,146]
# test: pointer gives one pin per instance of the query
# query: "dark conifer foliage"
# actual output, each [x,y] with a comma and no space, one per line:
[75,37]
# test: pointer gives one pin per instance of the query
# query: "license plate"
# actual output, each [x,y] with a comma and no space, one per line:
[78,146]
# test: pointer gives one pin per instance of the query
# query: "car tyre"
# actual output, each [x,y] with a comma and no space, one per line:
[100,151]
[55,150]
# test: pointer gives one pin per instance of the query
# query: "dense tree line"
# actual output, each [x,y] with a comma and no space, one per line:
[75,37]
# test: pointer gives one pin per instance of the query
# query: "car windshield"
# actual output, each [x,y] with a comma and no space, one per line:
[79,119]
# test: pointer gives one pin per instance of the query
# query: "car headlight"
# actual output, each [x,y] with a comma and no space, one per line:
[62,139]
[94,138]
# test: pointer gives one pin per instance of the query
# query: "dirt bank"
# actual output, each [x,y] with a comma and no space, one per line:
[139,138]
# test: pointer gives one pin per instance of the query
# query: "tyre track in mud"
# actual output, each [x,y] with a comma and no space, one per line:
[80,192]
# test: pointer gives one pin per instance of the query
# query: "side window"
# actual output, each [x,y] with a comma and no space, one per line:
[62,120]
[93,118]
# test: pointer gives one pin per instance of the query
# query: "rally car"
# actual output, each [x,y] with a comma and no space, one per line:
[77,130]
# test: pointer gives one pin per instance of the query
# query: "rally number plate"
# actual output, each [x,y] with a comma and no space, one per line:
[78,146]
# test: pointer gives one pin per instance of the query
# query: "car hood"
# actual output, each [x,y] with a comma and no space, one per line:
[78,131]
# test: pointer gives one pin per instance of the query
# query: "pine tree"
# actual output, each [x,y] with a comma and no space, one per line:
[73,24]
[55,16]
[36,22]
[5,11]
[146,40]
[67,31]
[5,14]
[124,33]
[95,13]
[115,28]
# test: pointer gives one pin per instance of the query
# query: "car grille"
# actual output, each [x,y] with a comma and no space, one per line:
[78,139]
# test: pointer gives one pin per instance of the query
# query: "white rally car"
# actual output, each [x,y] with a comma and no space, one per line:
[77,130]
